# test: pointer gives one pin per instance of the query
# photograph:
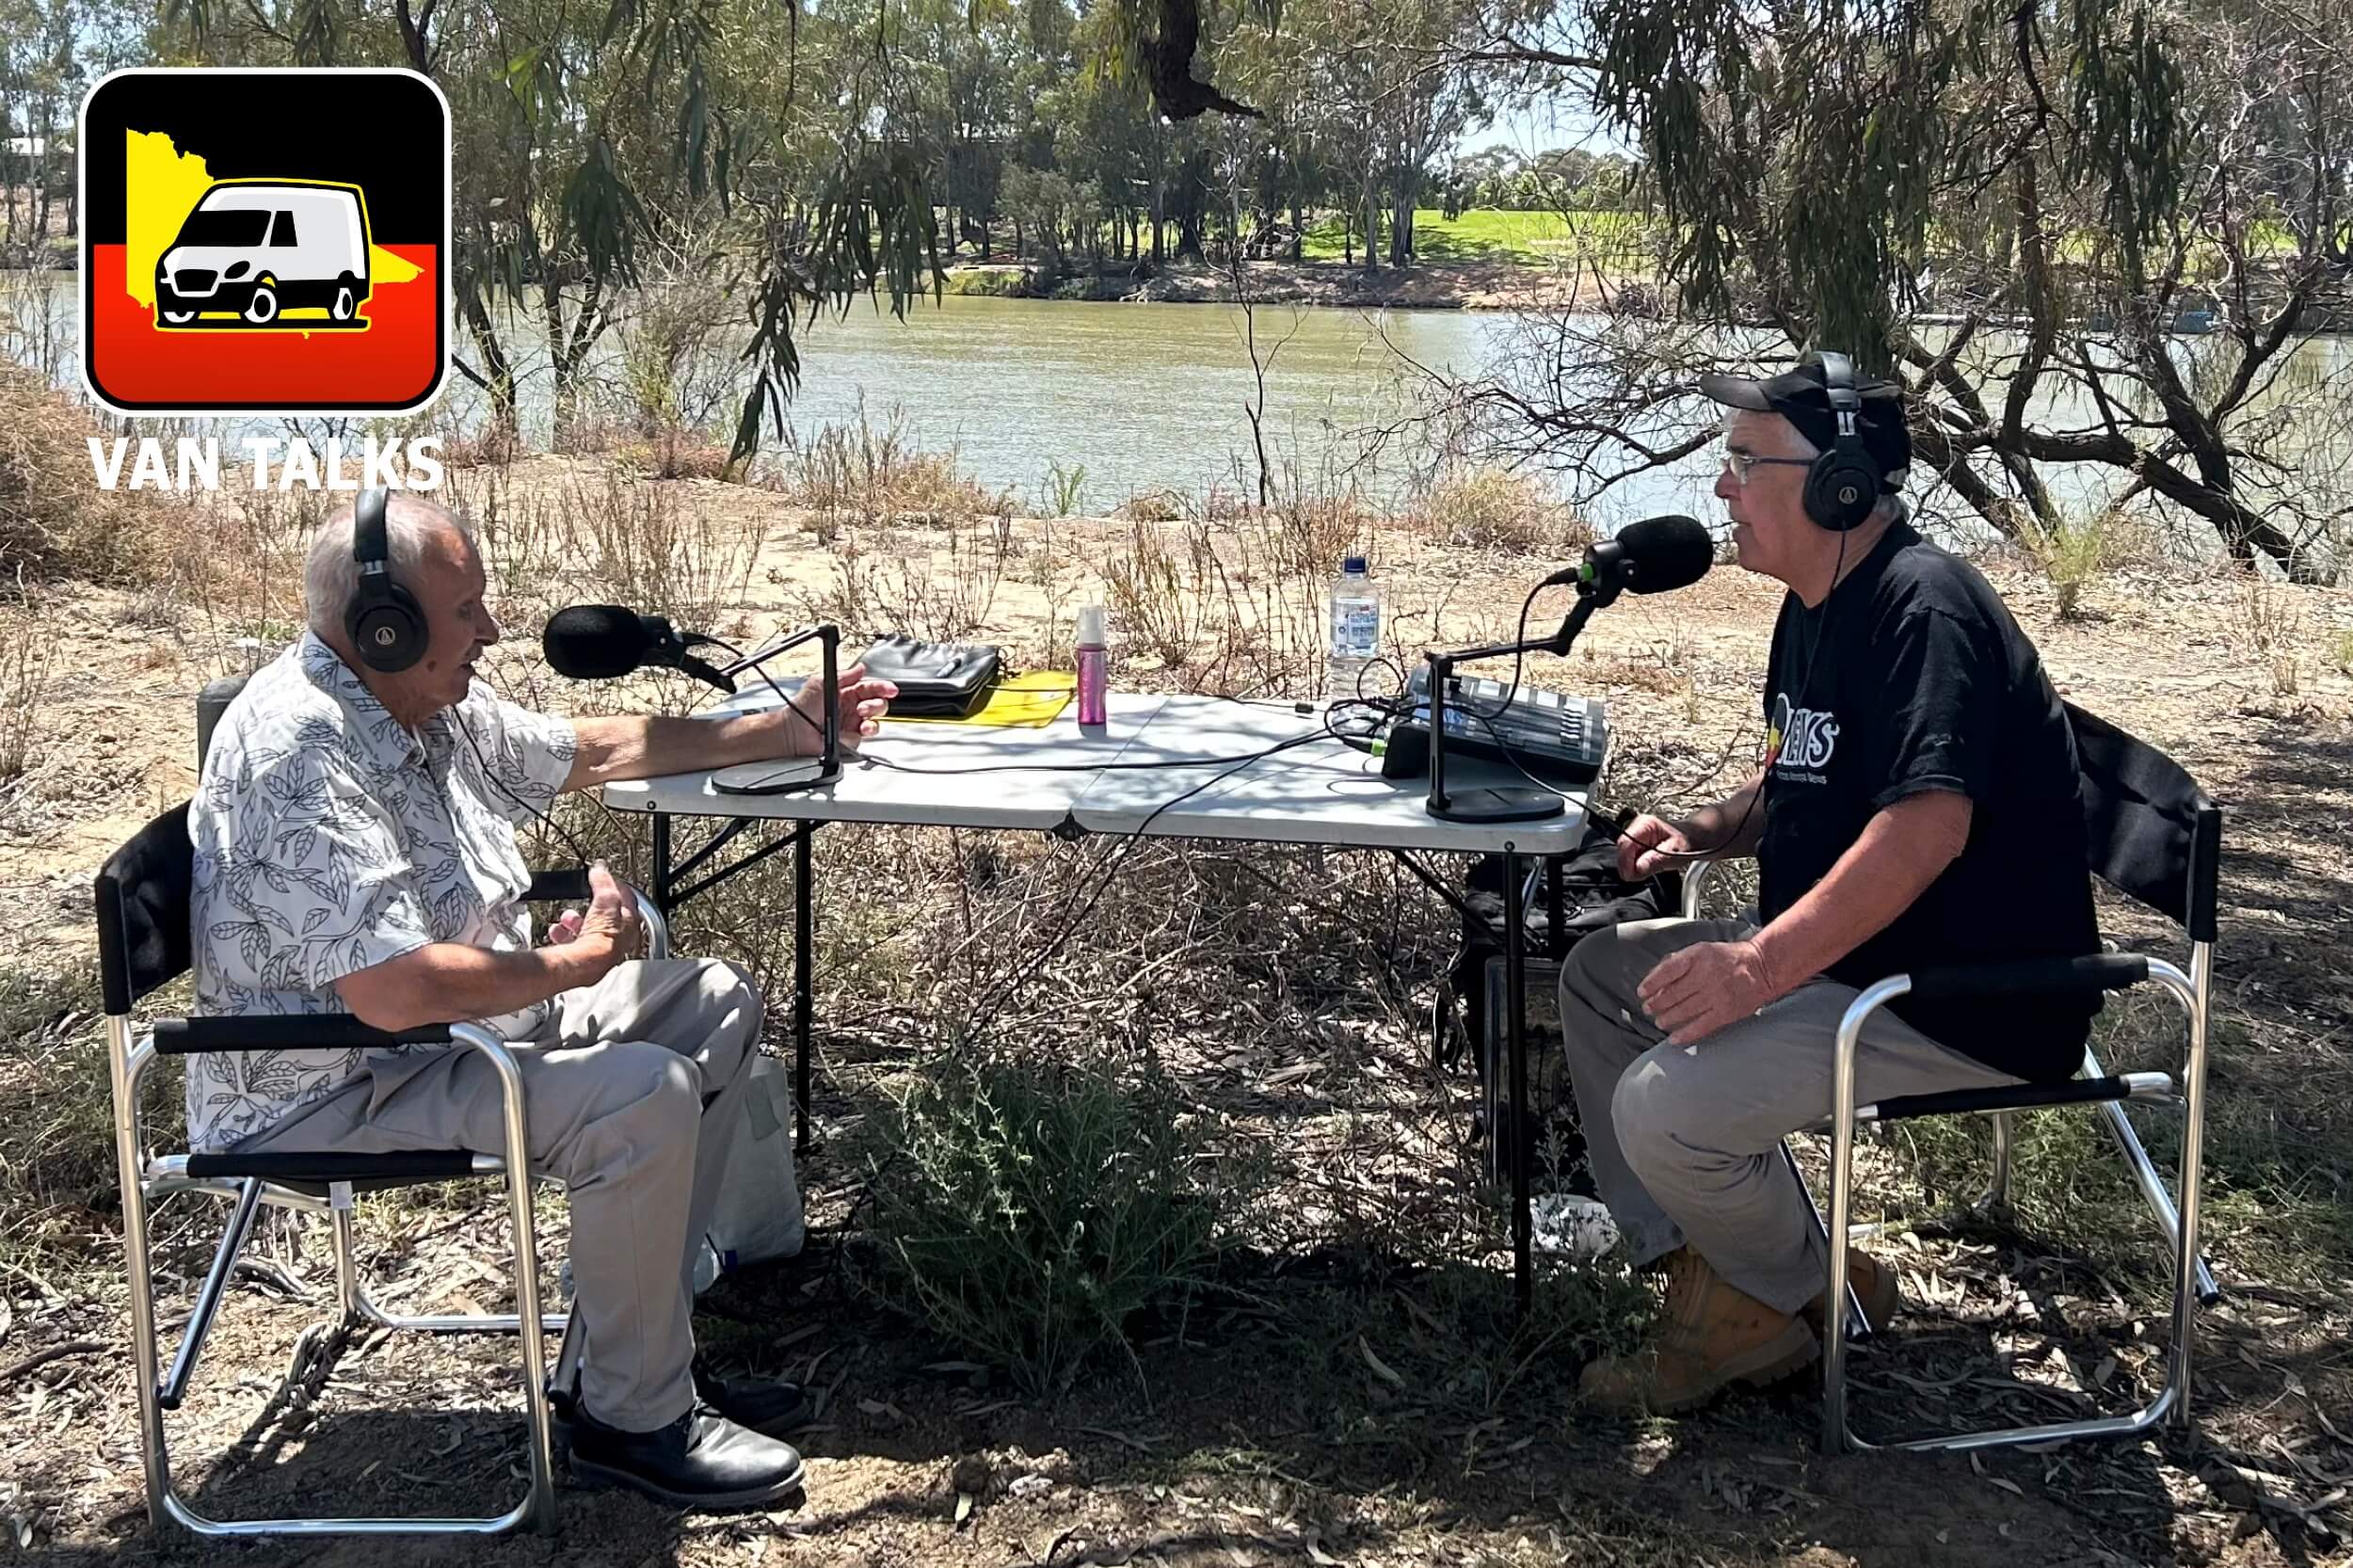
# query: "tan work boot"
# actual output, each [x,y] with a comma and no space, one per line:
[1875,1286]
[1714,1335]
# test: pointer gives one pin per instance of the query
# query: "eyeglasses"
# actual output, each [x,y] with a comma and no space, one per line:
[1743,463]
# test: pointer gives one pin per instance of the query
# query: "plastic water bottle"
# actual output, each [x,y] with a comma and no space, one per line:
[1355,628]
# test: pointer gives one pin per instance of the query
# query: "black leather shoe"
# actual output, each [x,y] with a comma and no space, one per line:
[700,1461]
[771,1407]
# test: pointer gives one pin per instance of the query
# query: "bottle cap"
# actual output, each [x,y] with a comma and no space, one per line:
[1091,626]
[1354,564]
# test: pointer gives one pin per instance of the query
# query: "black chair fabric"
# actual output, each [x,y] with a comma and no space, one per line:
[143,893]
[2152,832]
[394,1166]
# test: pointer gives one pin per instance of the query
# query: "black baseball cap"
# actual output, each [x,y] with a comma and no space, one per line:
[1801,396]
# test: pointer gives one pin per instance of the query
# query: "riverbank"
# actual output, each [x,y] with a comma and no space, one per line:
[1479,284]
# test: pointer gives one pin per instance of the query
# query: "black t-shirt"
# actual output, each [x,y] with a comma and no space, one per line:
[1913,676]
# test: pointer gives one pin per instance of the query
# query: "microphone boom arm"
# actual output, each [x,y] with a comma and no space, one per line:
[829,638]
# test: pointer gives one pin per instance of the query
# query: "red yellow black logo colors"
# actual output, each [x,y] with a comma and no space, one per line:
[265,241]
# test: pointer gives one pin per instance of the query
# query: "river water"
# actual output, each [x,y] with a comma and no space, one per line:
[1152,397]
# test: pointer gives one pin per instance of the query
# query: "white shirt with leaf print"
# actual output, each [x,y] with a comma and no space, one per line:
[329,839]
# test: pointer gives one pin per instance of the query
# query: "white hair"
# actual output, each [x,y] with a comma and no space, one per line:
[330,576]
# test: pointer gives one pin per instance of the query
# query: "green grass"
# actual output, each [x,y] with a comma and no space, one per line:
[1487,233]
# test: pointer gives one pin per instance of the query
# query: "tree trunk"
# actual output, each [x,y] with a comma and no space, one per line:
[566,386]
[48,148]
[506,431]
[1372,229]
[1299,231]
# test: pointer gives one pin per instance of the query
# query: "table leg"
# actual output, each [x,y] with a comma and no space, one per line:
[1515,1014]
[804,989]
[662,862]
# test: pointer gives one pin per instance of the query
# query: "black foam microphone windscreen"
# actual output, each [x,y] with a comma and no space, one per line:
[1665,554]
[596,642]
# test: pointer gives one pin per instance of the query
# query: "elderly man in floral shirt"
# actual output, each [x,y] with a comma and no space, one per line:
[356,853]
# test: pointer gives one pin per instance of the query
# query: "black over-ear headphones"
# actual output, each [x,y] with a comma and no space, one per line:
[1842,486]
[386,627]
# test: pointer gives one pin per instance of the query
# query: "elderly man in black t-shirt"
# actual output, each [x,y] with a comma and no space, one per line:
[1917,806]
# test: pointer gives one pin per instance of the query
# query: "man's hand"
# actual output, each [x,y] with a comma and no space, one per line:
[864,700]
[610,928]
[1650,845]
[1694,993]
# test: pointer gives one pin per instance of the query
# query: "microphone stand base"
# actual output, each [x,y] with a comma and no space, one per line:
[1497,805]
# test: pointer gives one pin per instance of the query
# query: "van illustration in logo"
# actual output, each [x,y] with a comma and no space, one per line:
[253,249]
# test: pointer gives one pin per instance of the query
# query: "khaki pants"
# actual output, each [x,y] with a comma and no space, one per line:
[1685,1140]
[618,1103]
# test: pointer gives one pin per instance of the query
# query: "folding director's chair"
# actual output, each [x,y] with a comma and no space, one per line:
[2154,837]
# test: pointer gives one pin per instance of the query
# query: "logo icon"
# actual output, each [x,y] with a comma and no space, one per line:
[265,241]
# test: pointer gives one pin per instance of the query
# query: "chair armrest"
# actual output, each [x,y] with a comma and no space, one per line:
[285,1032]
[1696,879]
[2047,977]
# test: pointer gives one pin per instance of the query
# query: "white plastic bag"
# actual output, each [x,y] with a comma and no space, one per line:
[758,1215]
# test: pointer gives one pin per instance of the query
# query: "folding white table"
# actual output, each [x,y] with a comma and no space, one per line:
[1161,766]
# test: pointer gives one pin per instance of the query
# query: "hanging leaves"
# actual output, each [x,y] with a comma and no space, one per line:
[1805,154]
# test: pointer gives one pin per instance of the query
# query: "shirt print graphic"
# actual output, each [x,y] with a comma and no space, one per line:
[1801,741]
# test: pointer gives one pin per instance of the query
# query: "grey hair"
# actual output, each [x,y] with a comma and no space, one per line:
[330,576]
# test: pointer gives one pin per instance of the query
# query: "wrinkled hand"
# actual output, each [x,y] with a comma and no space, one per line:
[1650,845]
[1692,993]
[612,921]
[563,928]
[864,701]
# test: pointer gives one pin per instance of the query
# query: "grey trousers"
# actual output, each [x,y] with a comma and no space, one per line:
[1685,1140]
[630,1102]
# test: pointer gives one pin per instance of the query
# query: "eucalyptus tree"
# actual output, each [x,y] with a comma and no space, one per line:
[2061,224]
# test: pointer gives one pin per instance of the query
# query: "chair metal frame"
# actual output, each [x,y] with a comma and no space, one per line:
[2176,1218]
[147,1176]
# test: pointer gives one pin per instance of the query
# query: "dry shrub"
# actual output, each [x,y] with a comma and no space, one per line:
[1487,510]
[492,446]
[939,592]
[676,360]
[869,475]
[1151,507]
[1236,608]
[2075,552]
[639,547]
[2272,625]
[1155,592]
[1319,531]
[26,653]
[53,519]
[233,567]
[676,455]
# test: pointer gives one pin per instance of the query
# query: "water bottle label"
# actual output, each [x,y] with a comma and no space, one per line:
[1356,631]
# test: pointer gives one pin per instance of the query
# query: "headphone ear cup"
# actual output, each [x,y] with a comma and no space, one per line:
[1840,492]
[389,632]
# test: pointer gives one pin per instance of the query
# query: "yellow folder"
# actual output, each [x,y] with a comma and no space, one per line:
[1029,701]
